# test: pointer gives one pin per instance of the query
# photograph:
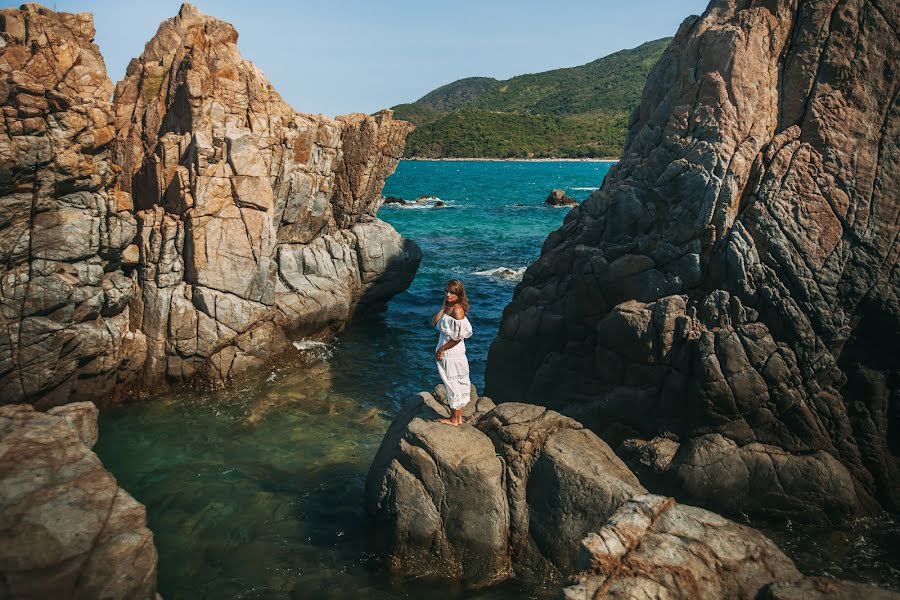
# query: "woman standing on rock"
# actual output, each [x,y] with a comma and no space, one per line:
[450,353]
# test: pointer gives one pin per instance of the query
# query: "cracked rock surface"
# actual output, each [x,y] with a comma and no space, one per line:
[733,284]
[186,232]
[68,529]
[522,489]
[65,285]
[517,486]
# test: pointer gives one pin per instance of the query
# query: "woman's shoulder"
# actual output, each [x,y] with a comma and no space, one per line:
[457,313]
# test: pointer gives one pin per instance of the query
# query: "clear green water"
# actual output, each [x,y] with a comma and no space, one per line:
[256,492]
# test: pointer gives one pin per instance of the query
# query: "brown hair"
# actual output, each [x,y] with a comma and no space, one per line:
[455,286]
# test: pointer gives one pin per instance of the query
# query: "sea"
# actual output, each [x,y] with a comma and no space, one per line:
[256,491]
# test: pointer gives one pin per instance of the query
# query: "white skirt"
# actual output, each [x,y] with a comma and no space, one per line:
[454,372]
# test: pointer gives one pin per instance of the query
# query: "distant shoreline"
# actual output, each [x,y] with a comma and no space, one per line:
[604,160]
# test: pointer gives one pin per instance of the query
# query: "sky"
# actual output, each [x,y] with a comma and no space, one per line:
[340,56]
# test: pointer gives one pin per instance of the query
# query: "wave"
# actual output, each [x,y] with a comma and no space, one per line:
[421,202]
[585,189]
[314,348]
[503,273]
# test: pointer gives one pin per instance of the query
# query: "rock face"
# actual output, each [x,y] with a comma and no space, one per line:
[185,232]
[65,284]
[559,198]
[519,488]
[734,282]
[69,530]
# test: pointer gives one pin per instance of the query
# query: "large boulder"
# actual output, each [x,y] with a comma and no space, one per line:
[733,284]
[517,486]
[653,547]
[69,530]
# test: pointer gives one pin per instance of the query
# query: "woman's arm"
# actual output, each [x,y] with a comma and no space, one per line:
[439,353]
[437,316]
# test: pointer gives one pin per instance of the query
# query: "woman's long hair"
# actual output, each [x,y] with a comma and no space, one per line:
[455,286]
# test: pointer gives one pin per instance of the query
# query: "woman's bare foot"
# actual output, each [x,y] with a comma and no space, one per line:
[448,422]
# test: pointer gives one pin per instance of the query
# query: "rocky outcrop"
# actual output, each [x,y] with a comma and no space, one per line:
[68,529]
[65,231]
[184,233]
[559,198]
[257,223]
[733,285]
[653,547]
[519,489]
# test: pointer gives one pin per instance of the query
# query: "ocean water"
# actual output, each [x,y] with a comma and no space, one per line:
[256,491]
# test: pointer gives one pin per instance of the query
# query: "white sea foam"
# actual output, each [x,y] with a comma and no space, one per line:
[315,348]
[585,189]
[503,273]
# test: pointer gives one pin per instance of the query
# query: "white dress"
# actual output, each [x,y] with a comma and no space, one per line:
[454,366]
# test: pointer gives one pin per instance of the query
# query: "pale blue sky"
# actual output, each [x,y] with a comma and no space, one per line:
[340,56]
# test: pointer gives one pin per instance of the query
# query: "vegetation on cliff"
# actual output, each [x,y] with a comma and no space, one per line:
[573,112]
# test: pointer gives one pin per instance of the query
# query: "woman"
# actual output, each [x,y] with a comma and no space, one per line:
[452,364]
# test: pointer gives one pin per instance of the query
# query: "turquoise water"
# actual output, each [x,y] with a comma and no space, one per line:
[256,492]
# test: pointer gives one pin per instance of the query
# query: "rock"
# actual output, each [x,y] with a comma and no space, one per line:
[824,588]
[64,226]
[69,530]
[437,500]
[439,204]
[736,274]
[653,547]
[273,215]
[559,198]
[394,200]
[145,244]
[519,488]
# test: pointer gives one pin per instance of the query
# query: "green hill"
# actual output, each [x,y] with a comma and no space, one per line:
[573,112]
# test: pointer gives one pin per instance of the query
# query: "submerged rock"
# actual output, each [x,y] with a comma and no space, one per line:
[69,530]
[184,232]
[734,281]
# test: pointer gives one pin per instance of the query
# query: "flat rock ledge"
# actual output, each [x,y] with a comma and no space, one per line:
[68,529]
[521,488]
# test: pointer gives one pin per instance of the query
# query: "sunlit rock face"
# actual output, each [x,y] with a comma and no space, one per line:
[69,530]
[184,232]
[66,261]
[733,285]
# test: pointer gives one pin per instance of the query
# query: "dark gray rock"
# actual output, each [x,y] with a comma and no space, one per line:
[736,274]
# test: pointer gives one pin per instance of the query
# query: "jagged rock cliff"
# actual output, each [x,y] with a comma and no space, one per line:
[734,284]
[68,529]
[251,224]
[64,228]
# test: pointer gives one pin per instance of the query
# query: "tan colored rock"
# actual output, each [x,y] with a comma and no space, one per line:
[736,274]
[69,530]
[653,547]
[247,204]
[190,186]
[64,321]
